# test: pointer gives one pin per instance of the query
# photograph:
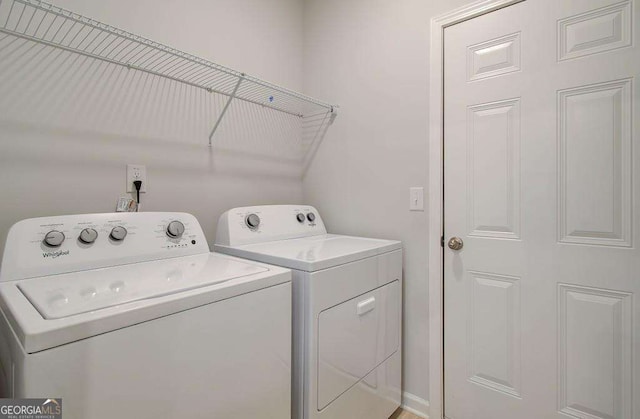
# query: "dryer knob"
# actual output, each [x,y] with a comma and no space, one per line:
[300,217]
[175,229]
[54,238]
[311,217]
[252,221]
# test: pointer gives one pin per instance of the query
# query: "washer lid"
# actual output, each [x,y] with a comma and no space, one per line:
[313,253]
[64,295]
[151,290]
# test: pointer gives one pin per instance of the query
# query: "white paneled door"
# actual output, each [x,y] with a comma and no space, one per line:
[542,188]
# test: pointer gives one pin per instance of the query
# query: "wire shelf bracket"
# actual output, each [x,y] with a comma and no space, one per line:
[226,106]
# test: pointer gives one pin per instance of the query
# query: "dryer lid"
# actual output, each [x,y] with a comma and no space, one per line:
[64,295]
[313,253]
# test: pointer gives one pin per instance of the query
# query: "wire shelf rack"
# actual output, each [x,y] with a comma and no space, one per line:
[51,26]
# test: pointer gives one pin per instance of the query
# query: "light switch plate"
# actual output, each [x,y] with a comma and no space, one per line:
[416,198]
[136,172]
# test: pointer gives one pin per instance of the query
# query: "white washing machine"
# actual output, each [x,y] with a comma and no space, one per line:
[129,315]
[346,308]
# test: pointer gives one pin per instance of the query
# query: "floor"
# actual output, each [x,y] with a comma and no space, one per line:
[403,414]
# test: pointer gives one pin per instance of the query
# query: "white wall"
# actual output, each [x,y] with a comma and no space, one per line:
[372,57]
[57,171]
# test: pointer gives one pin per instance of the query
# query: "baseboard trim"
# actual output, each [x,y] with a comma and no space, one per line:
[416,405]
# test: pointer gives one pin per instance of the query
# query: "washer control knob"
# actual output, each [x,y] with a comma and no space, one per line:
[175,229]
[54,238]
[252,221]
[300,217]
[118,233]
[88,235]
[311,217]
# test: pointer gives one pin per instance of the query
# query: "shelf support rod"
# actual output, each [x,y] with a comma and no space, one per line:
[226,106]
[318,137]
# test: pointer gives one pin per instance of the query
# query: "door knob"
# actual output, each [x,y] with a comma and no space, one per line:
[455,243]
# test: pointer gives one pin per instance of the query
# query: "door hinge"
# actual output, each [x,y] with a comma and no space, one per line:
[441,241]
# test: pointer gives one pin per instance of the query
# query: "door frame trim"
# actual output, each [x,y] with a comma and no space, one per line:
[436,190]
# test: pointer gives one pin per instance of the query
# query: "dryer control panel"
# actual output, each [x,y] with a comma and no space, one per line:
[70,243]
[246,225]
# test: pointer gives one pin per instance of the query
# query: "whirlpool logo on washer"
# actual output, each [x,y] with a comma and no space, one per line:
[53,255]
[30,408]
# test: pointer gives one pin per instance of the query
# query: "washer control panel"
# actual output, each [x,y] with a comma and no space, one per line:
[246,225]
[54,245]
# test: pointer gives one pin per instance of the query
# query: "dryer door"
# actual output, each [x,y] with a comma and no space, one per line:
[354,338]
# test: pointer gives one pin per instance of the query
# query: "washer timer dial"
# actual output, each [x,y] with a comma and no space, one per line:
[175,229]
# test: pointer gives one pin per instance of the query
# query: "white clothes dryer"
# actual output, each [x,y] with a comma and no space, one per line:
[347,304]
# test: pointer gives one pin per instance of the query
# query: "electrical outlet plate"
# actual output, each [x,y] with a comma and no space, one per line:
[136,172]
